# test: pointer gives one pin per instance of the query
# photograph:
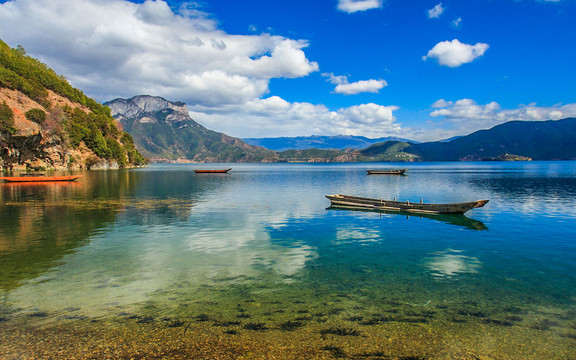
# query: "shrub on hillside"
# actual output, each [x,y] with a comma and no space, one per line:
[36,115]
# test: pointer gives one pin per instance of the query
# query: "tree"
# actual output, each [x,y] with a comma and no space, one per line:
[6,119]
[20,50]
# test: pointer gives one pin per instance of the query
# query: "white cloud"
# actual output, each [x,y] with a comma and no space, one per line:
[467,116]
[273,116]
[465,109]
[370,114]
[120,48]
[441,103]
[336,80]
[346,88]
[454,53]
[363,86]
[352,6]
[436,11]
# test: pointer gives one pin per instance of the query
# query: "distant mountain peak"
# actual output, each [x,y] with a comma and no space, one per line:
[144,104]
[164,130]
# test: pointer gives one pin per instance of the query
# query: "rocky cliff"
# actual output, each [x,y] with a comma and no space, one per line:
[30,146]
[47,124]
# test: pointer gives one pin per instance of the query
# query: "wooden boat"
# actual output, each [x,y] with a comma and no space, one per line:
[29,178]
[220,171]
[355,202]
[387,172]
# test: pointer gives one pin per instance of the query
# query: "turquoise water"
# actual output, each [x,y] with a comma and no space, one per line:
[258,247]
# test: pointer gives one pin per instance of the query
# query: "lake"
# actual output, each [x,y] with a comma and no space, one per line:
[161,262]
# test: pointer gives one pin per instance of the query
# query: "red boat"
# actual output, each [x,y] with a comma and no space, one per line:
[220,171]
[29,179]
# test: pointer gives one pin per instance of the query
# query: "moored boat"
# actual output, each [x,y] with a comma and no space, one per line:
[29,179]
[387,172]
[217,171]
[356,202]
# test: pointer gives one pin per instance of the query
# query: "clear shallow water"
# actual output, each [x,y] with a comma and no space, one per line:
[258,250]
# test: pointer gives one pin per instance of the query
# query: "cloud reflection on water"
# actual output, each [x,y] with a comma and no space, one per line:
[452,263]
[358,235]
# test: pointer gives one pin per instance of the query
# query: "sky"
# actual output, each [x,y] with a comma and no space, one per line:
[422,70]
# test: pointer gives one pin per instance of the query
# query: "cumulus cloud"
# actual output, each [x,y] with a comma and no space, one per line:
[273,116]
[363,86]
[454,53]
[370,114]
[120,48]
[435,12]
[468,116]
[352,6]
[465,109]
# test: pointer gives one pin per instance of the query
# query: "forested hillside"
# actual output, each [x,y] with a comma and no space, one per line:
[47,123]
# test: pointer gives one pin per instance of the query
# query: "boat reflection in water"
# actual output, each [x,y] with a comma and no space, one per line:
[453,219]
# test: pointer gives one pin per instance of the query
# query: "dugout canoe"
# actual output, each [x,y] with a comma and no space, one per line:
[387,172]
[29,179]
[356,202]
[218,171]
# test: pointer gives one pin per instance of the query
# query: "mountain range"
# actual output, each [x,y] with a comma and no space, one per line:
[539,140]
[163,130]
[320,142]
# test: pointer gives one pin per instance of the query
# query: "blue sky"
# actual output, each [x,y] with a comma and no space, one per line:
[423,70]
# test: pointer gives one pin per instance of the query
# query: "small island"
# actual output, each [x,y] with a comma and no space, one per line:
[507,157]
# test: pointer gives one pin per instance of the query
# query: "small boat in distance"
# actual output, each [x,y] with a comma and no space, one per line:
[387,172]
[355,202]
[220,171]
[29,178]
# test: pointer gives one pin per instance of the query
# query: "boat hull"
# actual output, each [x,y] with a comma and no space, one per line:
[387,172]
[347,201]
[220,171]
[35,179]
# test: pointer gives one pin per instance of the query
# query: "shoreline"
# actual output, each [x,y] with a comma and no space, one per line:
[136,337]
